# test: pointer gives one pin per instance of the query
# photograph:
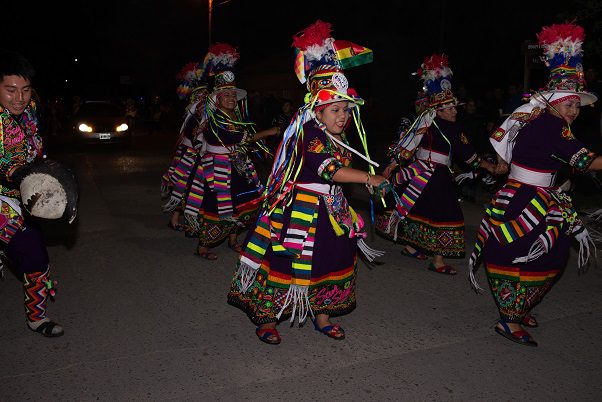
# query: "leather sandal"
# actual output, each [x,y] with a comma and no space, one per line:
[444,269]
[236,246]
[416,254]
[335,332]
[47,329]
[520,336]
[177,227]
[208,255]
[268,335]
[529,321]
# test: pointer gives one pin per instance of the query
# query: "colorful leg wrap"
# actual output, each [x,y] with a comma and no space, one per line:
[37,286]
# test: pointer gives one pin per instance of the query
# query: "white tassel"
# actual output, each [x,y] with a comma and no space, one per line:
[298,296]
[597,214]
[370,253]
[164,191]
[585,240]
[247,276]
[473,279]
[537,250]
[171,204]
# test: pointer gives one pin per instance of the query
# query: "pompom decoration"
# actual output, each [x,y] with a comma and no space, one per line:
[313,35]
[222,56]
[191,76]
[433,67]
[562,44]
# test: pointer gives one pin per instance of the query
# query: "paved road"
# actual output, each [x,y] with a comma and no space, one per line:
[145,319]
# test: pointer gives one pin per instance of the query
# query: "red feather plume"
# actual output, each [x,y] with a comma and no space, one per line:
[221,48]
[312,35]
[555,32]
[435,61]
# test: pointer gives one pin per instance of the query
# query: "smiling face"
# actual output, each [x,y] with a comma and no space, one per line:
[226,100]
[569,109]
[15,93]
[334,116]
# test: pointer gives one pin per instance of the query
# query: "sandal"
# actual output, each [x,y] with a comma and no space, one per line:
[47,329]
[208,255]
[335,332]
[268,335]
[445,269]
[236,246]
[529,321]
[520,336]
[177,227]
[416,254]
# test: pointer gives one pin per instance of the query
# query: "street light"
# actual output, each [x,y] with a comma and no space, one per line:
[210,5]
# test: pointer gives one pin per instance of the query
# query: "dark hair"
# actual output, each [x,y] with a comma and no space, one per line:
[13,63]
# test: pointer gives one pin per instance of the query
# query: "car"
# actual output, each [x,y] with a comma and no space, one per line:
[101,122]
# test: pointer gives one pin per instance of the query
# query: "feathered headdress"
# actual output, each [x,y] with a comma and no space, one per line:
[222,59]
[191,77]
[563,54]
[436,75]
[320,61]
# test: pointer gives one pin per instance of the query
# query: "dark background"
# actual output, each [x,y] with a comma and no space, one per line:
[135,48]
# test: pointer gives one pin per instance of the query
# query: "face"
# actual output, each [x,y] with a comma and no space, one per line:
[15,93]
[226,100]
[335,116]
[448,113]
[569,109]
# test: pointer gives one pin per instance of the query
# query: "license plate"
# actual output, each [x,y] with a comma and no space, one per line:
[104,136]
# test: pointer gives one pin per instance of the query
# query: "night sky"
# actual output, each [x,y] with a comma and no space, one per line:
[147,42]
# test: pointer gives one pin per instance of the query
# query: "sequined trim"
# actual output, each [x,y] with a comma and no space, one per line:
[582,159]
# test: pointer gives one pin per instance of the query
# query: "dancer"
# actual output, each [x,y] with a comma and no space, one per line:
[429,214]
[224,193]
[174,182]
[301,258]
[20,147]
[524,238]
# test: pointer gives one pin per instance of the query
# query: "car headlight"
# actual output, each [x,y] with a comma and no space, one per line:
[85,128]
[122,127]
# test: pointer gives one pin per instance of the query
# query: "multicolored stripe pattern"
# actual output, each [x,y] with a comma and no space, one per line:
[418,174]
[181,173]
[300,235]
[552,206]
[36,293]
[222,175]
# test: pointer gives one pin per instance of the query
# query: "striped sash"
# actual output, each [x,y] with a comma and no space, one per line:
[418,174]
[179,178]
[222,170]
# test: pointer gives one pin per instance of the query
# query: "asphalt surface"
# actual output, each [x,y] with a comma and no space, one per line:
[146,319]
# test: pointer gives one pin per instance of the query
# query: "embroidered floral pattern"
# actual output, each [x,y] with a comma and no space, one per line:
[567,134]
[19,143]
[315,146]
[329,168]
[262,302]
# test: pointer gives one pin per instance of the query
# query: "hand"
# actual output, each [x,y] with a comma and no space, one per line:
[275,130]
[501,168]
[389,169]
[377,181]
